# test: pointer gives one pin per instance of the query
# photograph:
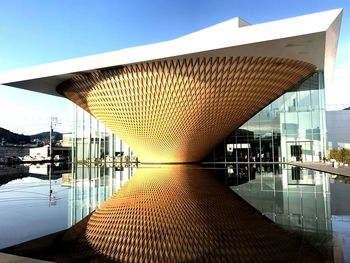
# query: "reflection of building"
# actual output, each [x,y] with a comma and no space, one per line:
[175,101]
[10,173]
[90,186]
[53,170]
[43,171]
[297,199]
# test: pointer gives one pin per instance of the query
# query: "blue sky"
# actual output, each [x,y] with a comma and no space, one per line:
[40,31]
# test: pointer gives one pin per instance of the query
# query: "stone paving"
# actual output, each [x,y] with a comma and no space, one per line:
[7,258]
[325,167]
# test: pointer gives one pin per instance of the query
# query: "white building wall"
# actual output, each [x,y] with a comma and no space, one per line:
[338,129]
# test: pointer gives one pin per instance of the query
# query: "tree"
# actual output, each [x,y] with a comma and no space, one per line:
[341,155]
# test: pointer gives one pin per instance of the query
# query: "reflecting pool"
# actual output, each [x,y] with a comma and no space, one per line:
[33,203]
[39,200]
[312,203]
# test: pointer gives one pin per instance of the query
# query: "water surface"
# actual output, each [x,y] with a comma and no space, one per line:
[39,200]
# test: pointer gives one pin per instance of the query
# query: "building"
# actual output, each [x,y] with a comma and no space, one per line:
[175,101]
[338,126]
[291,128]
[59,153]
[12,152]
[93,142]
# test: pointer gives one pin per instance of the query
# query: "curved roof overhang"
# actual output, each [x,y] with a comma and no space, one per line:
[311,38]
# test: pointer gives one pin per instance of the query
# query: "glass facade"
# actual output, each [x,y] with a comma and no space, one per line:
[101,164]
[291,128]
[93,143]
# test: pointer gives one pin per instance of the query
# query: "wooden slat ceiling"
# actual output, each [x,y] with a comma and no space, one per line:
[178,110]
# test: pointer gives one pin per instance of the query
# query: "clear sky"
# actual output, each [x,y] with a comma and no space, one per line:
[40,31]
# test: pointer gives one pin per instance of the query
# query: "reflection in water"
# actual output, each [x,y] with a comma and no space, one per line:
[176,212]
[92,185]
[32,203]
[180,214]
[297,199]
[37,200]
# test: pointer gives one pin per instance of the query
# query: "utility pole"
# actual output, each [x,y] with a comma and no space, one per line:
[50,189]
[53,121]
[50,140]
[52,198]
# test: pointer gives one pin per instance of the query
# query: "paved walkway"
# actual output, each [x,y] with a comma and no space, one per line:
[325,167]
[7,258]
[175,214]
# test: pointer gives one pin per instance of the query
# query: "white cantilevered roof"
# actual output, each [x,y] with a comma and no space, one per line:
[311,38]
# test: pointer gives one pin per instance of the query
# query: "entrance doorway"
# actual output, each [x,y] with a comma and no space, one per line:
[296,152]
[300,151]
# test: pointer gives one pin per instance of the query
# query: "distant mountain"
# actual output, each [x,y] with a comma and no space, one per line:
[348,108]
[46,135]
[7,136]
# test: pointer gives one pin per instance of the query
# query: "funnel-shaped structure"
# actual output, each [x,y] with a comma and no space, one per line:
[178,110]
[174,101]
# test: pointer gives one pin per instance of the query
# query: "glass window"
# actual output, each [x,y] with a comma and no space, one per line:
[290,100]
[315,99]
[304,101]
[316,119]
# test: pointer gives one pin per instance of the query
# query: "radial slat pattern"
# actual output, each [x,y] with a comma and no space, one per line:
[178,110]
[181,214]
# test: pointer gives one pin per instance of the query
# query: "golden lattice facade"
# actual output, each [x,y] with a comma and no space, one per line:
[178,110]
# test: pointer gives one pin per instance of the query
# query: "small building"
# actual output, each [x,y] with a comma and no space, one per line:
[13,151]
[43,153]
